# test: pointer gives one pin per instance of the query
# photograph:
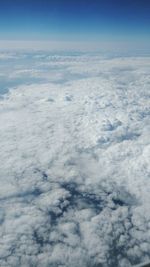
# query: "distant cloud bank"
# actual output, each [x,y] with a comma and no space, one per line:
[125,46]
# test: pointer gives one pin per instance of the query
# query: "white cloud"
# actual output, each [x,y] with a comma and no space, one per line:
[74,183]
[7,56]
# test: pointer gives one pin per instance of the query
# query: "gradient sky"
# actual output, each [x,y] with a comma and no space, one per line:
[76,20]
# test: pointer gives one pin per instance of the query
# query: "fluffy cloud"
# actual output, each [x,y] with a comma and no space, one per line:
[74,178]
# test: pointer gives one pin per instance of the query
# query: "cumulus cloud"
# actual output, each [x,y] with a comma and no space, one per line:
[74,178]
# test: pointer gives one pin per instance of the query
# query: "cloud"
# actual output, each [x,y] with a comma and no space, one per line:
[74,183]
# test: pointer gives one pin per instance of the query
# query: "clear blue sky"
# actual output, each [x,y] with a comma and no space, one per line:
[79,20]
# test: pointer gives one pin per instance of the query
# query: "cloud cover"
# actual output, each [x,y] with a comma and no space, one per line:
[74,178]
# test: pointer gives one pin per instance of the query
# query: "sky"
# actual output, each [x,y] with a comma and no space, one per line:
[75,21]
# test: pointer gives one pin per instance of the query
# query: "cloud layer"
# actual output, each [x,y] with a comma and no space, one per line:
[74,178]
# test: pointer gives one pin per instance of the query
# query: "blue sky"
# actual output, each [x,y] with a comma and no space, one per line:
[75,20]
